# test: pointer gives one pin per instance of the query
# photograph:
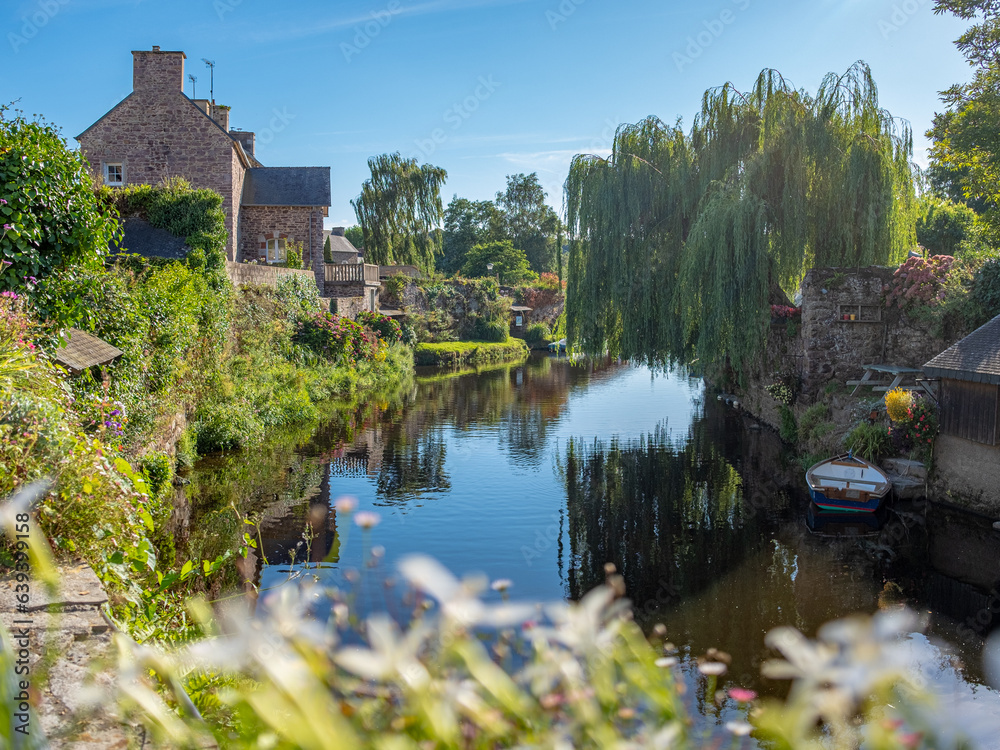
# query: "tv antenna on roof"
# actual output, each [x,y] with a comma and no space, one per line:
[194,86]
[211,65]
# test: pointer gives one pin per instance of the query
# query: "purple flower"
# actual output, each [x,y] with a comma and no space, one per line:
[3,201]
[107,423]
[8,226]
[116,412]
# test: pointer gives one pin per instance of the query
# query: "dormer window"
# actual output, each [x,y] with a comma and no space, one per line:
[114,174]
[275,251]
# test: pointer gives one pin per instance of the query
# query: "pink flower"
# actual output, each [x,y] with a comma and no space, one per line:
[743,695]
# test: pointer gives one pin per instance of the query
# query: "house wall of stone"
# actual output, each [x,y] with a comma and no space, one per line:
[247,274]
[158,133]
[291,223]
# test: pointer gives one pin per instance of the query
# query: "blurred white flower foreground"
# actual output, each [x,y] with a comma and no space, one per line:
[468,674]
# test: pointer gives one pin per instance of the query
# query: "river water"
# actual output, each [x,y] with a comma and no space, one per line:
[542,473]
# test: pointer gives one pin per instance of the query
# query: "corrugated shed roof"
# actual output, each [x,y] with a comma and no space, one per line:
[287,186]
[975,358]
[84,350]
[139,236]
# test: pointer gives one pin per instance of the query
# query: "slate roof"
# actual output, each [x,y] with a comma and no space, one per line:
[287,186]
[975,358]
[84,350]
[139,236]
[340,244]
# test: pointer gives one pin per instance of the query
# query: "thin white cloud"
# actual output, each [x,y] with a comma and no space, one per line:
[289,33]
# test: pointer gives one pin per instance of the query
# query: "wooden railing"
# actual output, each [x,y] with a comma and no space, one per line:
[351,273]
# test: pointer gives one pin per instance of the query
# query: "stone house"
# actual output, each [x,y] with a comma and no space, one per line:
[967,452]
[157,132]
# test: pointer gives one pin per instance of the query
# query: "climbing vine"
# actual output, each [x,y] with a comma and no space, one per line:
[681,241]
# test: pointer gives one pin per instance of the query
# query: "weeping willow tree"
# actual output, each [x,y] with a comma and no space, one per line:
[680,240]
[399,210]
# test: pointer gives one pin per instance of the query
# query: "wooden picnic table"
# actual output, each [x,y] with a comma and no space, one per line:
[898,373]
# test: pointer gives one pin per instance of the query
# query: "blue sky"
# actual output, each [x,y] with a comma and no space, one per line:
[483,88]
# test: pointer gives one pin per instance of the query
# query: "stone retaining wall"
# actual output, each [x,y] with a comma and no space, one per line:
[246,273]
[967,474]
[835,349]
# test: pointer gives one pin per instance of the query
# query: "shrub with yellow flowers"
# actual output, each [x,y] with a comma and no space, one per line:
[897,403]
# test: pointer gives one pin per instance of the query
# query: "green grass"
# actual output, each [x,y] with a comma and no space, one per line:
[454,353]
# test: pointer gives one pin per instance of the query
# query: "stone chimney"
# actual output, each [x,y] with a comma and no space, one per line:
[338,231]
[157,72]
[220,113]
[202,104]
[246,139]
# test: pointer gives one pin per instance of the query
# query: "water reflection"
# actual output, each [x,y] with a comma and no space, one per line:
[543,473]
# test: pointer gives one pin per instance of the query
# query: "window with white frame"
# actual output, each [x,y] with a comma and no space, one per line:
[275,251]
[114,174]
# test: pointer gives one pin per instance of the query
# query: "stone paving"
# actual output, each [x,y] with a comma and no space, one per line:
[71,626]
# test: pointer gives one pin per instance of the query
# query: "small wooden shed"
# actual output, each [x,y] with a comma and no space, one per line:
[83,350]
[520,318]
[969,396]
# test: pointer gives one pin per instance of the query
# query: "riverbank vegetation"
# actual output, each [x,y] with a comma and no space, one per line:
[464,353]
[204,367]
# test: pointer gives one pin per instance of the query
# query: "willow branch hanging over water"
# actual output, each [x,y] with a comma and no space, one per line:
[681,240]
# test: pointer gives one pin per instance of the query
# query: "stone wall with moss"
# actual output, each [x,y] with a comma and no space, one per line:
[837,349]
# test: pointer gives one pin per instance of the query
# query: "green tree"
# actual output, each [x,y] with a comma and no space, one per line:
[681,241]
[965,155]
[942,226]
[510,264]
[52,218]
[529,222]
[399,210]
[355,235]
[466,224]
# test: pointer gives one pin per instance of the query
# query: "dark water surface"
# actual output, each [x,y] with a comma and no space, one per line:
[544,472]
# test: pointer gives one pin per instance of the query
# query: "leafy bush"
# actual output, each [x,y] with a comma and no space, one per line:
[813,421]
[789,430]
[293,255]
[298,294]
[985,293]
[485,329]
[916,431]
[870,441]
[547,280]
[510,264]
[394,286]
[918,282]
[174,206]
[942,225]
[897,404]
[50,215]
[226,425]
[781,392]
[536,333]
[339,339]
[387,329]
[784,311]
